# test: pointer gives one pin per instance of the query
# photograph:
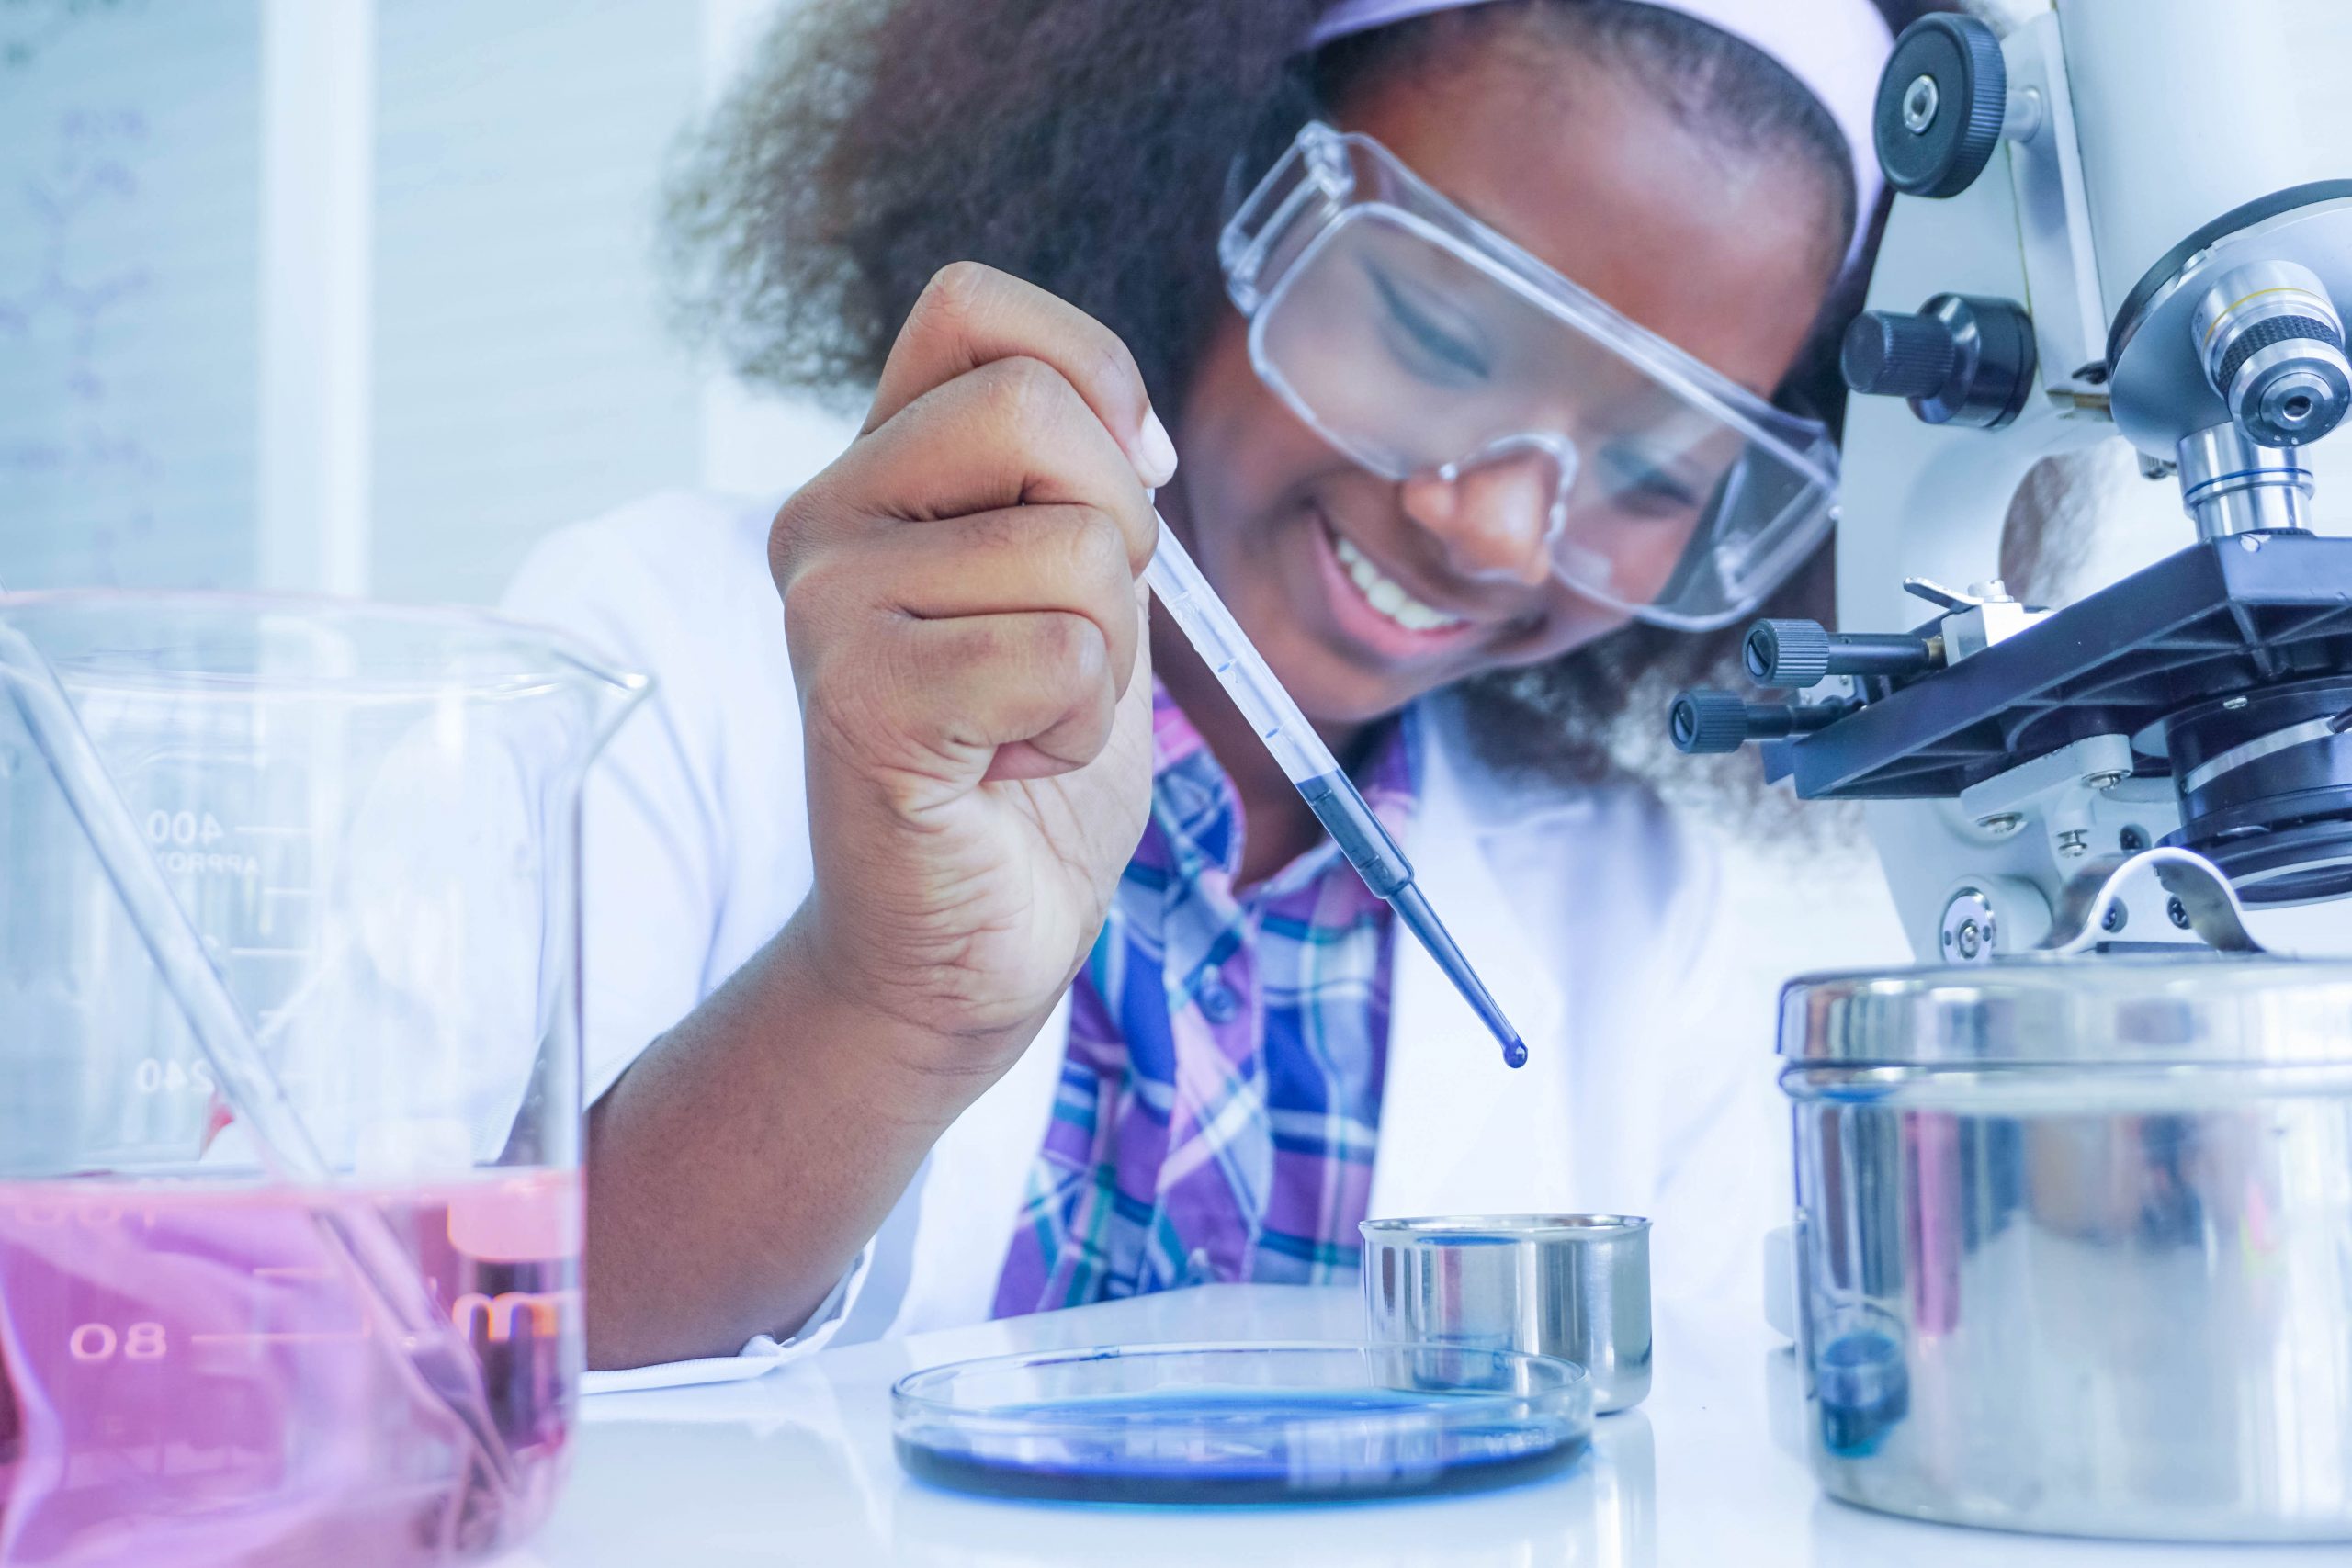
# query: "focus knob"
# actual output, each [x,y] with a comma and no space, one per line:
[1702,721]
[1708,723]
[1894,355]
[1980,351]
[1787,653]
[1939,105]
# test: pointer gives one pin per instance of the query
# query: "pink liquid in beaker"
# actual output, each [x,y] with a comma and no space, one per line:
[190,1377]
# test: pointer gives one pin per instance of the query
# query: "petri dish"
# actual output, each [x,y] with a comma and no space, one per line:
[1257,1423]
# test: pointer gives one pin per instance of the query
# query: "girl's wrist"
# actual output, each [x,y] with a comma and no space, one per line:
[899,1067]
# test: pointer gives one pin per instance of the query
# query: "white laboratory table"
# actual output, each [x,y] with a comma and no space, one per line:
[795,1468]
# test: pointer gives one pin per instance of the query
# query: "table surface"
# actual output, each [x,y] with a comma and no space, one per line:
[795,1467]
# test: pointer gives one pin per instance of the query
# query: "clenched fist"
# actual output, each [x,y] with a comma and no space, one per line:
[966,624]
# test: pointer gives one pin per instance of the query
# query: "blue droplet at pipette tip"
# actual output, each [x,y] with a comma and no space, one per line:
[1209,626]
[1422,921]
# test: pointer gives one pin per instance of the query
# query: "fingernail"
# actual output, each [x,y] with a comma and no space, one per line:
[1158,459]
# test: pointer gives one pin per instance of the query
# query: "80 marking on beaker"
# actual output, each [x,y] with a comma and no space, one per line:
[92,1342]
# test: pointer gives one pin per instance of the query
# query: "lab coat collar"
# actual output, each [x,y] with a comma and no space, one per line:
[1471,1124]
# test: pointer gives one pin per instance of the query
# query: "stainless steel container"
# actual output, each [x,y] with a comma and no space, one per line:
[1575,1286]
[2075,1244]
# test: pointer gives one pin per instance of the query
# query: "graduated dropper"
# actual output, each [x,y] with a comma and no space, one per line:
[1209,626]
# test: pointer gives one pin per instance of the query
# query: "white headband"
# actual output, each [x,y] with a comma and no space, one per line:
[1837,47]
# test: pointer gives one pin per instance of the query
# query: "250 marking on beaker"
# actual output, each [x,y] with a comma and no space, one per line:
[158,1075]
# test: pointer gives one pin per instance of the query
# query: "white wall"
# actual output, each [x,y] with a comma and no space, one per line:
[129,219]
[350,294]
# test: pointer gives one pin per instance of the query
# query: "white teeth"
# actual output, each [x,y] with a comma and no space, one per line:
[1385,595]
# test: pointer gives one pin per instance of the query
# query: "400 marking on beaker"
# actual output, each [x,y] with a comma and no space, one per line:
[182,840]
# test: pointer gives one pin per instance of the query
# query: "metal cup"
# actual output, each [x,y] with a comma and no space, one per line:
[1575,1286]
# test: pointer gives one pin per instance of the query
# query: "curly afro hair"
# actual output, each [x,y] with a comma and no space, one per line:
[1093,148]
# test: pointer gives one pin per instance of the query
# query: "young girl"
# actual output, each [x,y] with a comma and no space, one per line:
[953,946]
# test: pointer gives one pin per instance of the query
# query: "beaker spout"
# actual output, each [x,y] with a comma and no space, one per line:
[613,691]
[619,693]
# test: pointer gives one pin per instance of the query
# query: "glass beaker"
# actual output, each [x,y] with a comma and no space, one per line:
[368,817]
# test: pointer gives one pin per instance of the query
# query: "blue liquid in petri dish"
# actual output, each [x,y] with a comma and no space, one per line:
[1204,1444]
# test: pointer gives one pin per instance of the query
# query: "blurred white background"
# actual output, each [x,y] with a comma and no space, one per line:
[351,295]
[360,295]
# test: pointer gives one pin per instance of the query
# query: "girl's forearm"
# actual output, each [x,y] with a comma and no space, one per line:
[737,1168]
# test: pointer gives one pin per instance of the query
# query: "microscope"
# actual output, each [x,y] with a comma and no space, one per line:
[2074,1241]
[2091,241]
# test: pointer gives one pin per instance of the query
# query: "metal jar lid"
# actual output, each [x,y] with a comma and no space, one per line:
[2125,1012]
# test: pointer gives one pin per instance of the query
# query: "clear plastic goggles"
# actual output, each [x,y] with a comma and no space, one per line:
[1420,341]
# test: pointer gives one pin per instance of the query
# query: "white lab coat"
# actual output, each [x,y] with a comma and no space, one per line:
[1641,975]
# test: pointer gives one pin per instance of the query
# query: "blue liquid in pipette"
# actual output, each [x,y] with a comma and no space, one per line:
[1382,864]
[1210,628]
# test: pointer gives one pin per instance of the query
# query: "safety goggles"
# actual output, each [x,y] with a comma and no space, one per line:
[1420,341]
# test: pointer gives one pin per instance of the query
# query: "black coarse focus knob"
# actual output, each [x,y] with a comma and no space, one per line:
[1940,106]
[1707,723]
[1894,355]
[1702,721]
[1986,357]
[1787,653]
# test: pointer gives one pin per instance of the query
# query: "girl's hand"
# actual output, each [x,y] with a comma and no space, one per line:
[967,633]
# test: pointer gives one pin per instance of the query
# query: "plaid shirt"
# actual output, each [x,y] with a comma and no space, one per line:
[1220,1094]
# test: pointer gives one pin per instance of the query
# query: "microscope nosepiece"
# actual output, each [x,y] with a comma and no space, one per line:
[2272,343]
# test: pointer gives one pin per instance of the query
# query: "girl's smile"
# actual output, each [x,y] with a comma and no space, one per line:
[1394,613]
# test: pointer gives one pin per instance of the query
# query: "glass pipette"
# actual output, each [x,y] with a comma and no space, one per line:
[1209,626]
